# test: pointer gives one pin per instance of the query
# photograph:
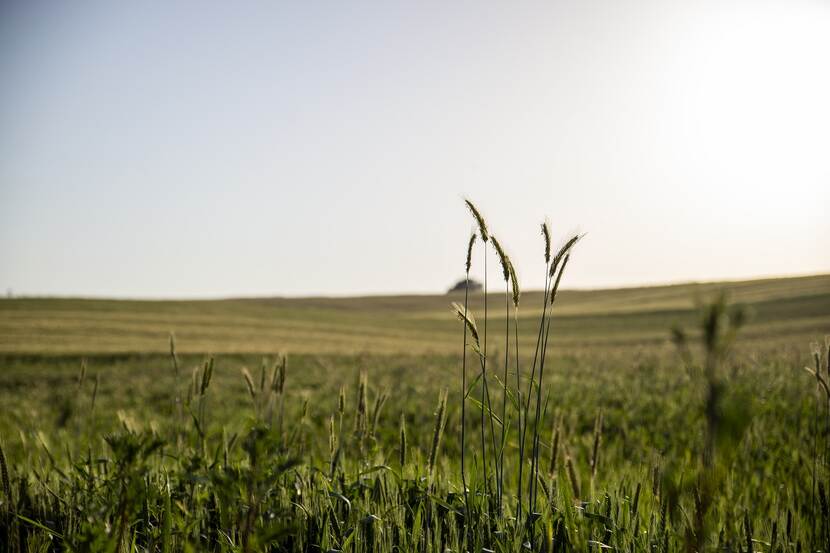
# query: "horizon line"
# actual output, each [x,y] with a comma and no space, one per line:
[664,284]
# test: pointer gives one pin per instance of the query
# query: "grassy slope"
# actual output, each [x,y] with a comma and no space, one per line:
[612,361]
[790,309]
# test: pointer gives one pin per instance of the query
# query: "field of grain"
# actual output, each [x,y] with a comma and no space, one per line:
[787,310]
[320,424]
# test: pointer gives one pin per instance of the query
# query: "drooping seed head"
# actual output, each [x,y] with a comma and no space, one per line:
[249,382]
[482,226]
[514,281]
[470,251]
[555,288]
[468,319]
[546,235]
[563,251]
[503,258]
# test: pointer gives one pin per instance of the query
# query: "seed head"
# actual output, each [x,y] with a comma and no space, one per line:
[470,251]
[558,278]
[546,234]
[468,319]
[482,226]
[438,430]
[249,382]
[563,251]
[503,259]
[207,373]
[402,446]
[514,281]
[816,350]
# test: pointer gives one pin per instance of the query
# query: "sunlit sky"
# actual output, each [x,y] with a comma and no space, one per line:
[174,149]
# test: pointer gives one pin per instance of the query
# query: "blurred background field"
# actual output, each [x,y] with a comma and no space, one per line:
[607,346]
[786,310]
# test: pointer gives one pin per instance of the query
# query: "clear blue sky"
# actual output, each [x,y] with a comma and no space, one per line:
[174,149]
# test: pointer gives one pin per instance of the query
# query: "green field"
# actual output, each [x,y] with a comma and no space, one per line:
[224,470]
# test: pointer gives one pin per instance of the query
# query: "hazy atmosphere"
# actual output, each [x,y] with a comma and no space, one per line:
[214,149]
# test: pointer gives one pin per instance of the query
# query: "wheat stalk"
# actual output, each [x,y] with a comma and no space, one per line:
[485,390]
[506,271]
[462,313]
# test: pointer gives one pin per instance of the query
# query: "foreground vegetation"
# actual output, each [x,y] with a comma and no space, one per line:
[616,433]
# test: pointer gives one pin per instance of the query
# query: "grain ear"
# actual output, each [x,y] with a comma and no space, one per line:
[514,285]
[470,251]
[482,225]
[438,430]
[503,258]
[468,319]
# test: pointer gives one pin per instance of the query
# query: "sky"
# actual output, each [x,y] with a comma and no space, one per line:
[177,150]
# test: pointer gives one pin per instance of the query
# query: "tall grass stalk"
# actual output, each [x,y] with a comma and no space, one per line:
[506,270]
[564,255]
[464,381]
[596,448]
[553,274]
[485,390]
[522,411]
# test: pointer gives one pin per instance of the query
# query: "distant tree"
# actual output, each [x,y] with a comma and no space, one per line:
[474,286]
